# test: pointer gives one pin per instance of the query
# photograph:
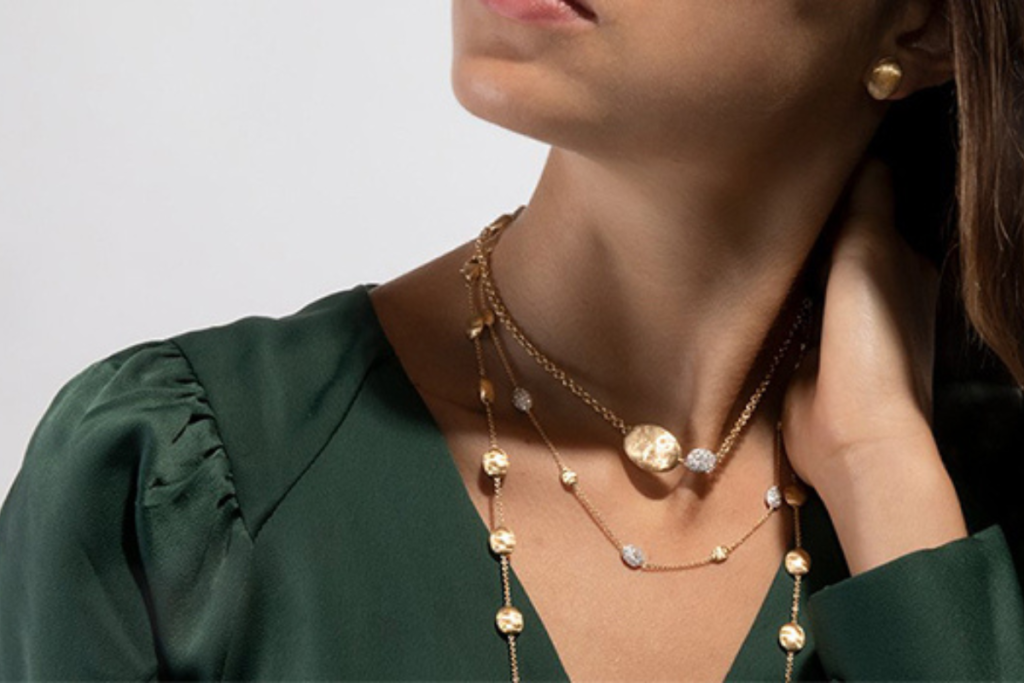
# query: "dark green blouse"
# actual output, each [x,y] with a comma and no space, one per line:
[272,500]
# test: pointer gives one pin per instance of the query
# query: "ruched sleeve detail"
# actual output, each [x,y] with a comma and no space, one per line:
[121,537]
[953,612]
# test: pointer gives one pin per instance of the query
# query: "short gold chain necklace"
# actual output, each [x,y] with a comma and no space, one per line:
[496,462]
[649,446]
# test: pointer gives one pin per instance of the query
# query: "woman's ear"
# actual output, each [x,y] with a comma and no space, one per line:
[922,42]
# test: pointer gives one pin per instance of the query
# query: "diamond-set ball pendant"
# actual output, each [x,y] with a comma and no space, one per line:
[522,400]
[700,460]
[633,556]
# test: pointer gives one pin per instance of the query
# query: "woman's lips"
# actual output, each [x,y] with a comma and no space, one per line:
[583,9]
[559,11]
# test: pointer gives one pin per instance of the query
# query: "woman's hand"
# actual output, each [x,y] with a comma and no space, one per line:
[857,414]
[869,382]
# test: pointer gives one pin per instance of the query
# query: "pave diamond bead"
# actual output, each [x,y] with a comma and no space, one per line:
[720,554]
[791,637]
[633,556]
[502,541]
[495,462]
[509,620]
[700,460]
[522,400]
[569,477]
[773,498]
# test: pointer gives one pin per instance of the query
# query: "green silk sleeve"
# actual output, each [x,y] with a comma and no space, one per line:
[117,528]
[953,612]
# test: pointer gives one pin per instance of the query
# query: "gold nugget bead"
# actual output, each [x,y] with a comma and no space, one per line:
[486,391]
[502,541]
[569,477]
[720,554]
[798,562]
[495,462]
[791,637]
[885,78]
[487,316]
[795,495]
[509,620]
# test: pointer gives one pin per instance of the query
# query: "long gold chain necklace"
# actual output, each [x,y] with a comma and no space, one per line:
[631,554]
[649,446]
[502,541]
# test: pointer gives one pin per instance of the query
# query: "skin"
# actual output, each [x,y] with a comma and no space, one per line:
[698,149]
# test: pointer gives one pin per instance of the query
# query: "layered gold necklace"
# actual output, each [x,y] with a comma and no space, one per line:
[650,447]
[496,461]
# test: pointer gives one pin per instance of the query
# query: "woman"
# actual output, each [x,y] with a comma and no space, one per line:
[314,497]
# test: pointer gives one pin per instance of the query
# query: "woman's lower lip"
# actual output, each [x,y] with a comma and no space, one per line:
[537,11]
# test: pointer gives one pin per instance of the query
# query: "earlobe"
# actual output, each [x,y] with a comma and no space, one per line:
[920,52]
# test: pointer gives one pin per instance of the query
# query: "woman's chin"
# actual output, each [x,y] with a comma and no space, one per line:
[493,91]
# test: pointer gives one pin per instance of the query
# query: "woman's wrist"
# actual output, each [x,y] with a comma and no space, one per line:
[889,499]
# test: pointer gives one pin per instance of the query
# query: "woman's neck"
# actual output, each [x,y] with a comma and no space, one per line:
[655,287]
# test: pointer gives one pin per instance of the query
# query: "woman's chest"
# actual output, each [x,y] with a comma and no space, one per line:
[609,621]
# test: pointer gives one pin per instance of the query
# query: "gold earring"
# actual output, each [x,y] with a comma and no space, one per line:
[885,78]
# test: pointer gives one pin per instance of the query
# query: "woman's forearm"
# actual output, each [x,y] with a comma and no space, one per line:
[889,499]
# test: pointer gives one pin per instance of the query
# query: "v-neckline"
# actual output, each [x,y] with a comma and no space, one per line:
[774,608]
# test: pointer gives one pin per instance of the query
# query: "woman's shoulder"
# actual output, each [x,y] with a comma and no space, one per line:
[260,375]
[146,483]
[265,392]
[271,379]
[312,340]
[280,387]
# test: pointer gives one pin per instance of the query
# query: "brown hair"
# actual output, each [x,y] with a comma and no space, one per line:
[957,154]
[988,40]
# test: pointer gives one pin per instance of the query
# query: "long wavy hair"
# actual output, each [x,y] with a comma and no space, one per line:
[957,154]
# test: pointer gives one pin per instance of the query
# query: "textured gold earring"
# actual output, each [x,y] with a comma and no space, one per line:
[885,78]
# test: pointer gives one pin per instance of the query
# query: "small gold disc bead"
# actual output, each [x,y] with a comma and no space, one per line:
[474,327]
[471,269]
[795,495]
[798,562]
[503,541]
[486,391]
[509,620]
[791,637]
[487,316]
[495,462]
[569,477]
[720,554]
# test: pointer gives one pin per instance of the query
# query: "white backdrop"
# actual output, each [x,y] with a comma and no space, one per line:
[172,165]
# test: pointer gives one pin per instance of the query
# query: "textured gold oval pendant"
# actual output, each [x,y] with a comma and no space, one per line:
[652,448]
